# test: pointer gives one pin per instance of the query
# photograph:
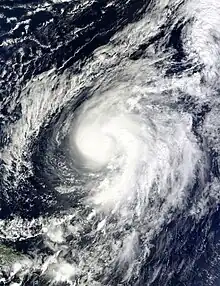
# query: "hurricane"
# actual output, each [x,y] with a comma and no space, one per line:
[109,143]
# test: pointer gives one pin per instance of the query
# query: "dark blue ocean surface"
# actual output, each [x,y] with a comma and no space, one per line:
[57,57]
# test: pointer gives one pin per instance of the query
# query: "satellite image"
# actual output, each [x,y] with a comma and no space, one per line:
[109,143]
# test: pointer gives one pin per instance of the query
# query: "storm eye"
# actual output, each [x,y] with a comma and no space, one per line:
[92,142]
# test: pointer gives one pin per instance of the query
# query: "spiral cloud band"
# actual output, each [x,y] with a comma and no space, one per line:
[142,148]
